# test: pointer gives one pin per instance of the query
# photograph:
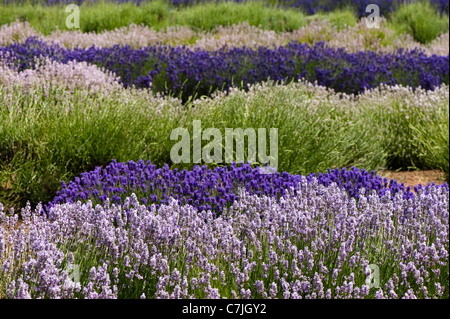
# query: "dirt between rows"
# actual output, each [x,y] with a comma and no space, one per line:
[413,178]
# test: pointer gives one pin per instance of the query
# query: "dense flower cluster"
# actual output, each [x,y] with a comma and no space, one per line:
[352,39]
[70,76]
[317,242]
[208,189]
[181,71]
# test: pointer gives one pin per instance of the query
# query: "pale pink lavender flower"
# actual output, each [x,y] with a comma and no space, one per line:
[70,76]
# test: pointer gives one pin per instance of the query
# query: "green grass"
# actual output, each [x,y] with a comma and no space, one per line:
[311,137]
[155,14]
[337,18]
[420,20]
[210,15]
[417,139]
[434,150]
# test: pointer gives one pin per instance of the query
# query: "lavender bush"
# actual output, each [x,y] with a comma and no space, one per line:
[352,38]
[207,189]
[317,242]
[186,73]
[72,75]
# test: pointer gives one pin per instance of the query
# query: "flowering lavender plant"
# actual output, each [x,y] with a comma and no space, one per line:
[208,189]
[351,38]
[317,242]
[187,73]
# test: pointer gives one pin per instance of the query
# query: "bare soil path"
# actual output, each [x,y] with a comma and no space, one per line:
[414,178]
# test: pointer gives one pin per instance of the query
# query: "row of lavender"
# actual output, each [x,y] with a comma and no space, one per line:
[207,189]
[317,242]
[307,6]
[185,73]
[351,38]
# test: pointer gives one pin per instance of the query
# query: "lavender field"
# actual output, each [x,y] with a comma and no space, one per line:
[223,149]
